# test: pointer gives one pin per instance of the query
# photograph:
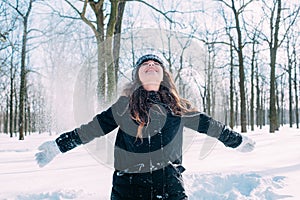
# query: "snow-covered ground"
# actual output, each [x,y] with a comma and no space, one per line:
[271,171]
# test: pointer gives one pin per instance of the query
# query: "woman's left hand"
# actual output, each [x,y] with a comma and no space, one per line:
[247,144]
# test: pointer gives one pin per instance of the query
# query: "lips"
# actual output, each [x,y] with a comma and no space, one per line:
[150,69]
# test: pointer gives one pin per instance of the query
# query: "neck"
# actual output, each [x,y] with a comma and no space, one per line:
[151,87]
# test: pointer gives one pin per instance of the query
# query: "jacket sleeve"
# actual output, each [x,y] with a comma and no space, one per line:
[203,123]
[100,125]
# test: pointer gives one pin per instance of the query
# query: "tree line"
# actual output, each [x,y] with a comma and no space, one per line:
[237,60]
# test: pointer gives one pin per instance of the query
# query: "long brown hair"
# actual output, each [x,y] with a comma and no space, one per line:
[139,107]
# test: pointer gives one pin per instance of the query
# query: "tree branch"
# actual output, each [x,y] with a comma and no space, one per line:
[82,15]
[157,10]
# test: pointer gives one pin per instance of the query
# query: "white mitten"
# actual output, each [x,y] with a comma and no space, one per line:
[48,150]
[247,144]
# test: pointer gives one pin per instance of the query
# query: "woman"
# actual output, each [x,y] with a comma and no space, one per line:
[148,148]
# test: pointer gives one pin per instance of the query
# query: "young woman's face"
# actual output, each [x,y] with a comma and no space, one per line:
[150,74]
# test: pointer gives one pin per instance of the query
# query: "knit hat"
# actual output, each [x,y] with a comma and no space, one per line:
[143,59]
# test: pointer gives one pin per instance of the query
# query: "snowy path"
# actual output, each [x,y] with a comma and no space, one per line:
[271,171]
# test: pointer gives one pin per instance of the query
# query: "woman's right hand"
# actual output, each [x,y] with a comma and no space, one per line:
[48,150]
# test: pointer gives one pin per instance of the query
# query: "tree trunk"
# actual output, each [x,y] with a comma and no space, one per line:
[282,90]
[262,111]
[25,115]
[237,109]
[273,54]
[252,88]
[289,71]
[243,114]
[277,103]
[99,34]
[16,111]
[11,100]
[101,90]
[258,105]
[290,92]
[296,92]
[23,72]
[106,48]
[22,82]
[111,77]
[5,121]
[28,121]
[209,87]
[231,87]
[117,38]
[273,113]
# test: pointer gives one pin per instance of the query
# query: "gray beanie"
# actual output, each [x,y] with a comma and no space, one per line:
[143,59]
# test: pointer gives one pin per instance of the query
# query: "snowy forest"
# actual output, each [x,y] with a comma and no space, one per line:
[62,61]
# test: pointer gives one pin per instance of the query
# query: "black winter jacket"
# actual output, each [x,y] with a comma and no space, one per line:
[162,137]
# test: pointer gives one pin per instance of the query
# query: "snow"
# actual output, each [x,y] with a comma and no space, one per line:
[271,171]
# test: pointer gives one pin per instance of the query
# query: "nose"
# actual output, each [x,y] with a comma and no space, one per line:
[151,64]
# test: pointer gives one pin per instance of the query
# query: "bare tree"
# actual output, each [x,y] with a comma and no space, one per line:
[232,116]
[106,26]
[291,53]
[258,99]
[22,93]
[12,94]
[291,48]
[274,42]
[254,39]
[296,90]
[107,34]
[239,49]
[289,71]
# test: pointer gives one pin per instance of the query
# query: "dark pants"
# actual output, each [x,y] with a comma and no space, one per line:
[160,184]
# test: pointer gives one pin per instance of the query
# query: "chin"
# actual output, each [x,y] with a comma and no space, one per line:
[152,82]
[151,86]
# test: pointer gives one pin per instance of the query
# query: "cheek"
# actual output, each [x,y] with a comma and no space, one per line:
[161,75]
[140,75]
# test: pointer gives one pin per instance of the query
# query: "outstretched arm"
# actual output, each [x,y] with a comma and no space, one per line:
[101,124]
[203,123]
